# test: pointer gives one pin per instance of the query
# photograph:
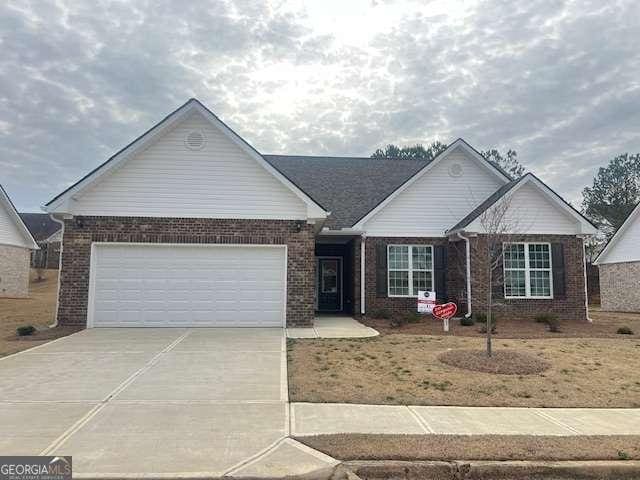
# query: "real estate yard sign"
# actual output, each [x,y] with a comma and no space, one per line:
[426,301]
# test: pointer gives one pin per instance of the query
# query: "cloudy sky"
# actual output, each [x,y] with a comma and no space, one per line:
[557,81]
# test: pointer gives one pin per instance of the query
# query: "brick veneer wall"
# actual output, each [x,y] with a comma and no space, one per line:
[570,307]
[14,271]
[395,305]
[619,286]
[76,251]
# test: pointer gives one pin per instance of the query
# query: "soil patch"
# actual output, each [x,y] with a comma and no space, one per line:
[476,447]
[506,362]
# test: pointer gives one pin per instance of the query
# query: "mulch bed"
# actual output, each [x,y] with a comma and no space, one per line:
[476,447]
[505,362]
[45,334]
[605,325]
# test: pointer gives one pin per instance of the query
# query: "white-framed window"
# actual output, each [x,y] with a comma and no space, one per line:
[527,270]
[409,269]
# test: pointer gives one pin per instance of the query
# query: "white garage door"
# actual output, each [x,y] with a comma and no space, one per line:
[187,285]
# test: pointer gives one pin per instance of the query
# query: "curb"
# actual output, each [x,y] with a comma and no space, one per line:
[490,470]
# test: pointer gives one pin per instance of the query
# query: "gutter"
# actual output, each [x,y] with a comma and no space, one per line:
[586,288]
[55,320]
[468,276]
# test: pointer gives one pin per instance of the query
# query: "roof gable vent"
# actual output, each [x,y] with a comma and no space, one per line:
[194,140]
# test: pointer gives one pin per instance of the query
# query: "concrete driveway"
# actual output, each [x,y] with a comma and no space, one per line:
[163,402]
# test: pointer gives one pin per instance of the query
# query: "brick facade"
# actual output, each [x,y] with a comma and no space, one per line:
[14,272]
[619,283]
[569,307]
[80,232]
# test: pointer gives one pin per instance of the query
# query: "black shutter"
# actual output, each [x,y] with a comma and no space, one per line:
[440,271]
[497,274]
[381,270]
[557,263]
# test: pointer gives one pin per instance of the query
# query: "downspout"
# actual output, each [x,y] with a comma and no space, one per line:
[586,289]
[468,252]
[55,320]
[362,276]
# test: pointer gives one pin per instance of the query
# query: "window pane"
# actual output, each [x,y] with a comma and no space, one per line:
[421,258]
[514,255]
[398,257]
[421,281]
[398,283]
[540,283]
[514,283]
[539,255]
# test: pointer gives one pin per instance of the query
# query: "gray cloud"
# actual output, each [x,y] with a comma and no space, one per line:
[556,81]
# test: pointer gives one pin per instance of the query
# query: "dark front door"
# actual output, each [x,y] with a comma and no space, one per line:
[329,284]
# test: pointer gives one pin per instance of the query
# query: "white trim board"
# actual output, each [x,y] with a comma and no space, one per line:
[62,203]
[29,241]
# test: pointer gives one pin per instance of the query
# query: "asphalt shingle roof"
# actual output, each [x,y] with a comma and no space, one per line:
[40,225]
[480,209]
[349,187]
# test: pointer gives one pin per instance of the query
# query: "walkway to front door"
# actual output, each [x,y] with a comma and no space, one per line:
[329,284]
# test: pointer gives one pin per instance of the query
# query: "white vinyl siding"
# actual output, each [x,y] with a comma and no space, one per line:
[625,248]
[530,211]
[436,201]
[409,269]
[527,270]
[167,179]
[142,285]
[9,231]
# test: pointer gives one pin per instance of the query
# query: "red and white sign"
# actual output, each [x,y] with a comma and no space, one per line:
[426,301]
[445,311]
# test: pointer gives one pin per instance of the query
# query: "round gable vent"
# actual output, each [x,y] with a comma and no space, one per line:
[455,170]
[194,140]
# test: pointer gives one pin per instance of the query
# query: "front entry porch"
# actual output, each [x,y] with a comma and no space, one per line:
[334,289]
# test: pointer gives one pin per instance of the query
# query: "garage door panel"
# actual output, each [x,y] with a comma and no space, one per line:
[182,285]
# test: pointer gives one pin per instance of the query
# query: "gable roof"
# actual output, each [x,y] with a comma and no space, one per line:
[41,225]
[459,143]
[314,209]
[348,186]
[618,235]
[509,189]
[29,241]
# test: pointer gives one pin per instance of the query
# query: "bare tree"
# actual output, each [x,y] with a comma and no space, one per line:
[497,225]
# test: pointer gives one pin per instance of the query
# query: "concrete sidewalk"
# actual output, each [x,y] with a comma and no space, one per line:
[329,418]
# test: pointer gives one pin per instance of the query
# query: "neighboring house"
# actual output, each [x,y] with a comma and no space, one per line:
[48,233]
[16,244]
[619,264]
[189,225]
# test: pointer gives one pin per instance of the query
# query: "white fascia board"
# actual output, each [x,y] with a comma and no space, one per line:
[62,203]
[439,158]
[585,227]
[602,256]
[29,241]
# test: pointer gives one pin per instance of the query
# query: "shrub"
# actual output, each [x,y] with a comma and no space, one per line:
[466,321]
[481,319]
[624,331]
[543,318]
[413,317]
[381,313]
[622,455]
[398,322]
[25,330]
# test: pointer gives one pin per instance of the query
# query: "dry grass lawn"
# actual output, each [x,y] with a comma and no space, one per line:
[604,325]
[404,369]
[37,310]
[477,447]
